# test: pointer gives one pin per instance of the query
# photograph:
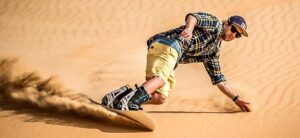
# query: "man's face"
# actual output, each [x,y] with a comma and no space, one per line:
[231,32]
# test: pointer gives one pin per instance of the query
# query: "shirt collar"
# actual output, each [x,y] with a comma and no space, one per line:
[221,29]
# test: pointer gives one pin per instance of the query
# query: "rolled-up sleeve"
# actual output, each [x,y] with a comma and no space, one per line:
[205,20]
[213,69]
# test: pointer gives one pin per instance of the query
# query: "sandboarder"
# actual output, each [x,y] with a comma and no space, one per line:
[199,40]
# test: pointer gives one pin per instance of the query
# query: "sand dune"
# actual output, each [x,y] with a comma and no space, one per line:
[95,46]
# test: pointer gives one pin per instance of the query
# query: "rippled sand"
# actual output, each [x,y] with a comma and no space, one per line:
[95,46]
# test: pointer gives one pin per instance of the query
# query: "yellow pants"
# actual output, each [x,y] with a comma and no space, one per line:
[161,60]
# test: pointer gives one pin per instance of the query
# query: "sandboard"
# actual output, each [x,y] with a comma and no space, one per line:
[139,117]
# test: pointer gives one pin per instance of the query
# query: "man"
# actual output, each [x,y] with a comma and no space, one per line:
[198,41]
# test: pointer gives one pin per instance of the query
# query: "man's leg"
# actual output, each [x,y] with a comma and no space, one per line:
[161,60]
[140,95]
[160,95]
[111,99]
[157,98]
[153,84]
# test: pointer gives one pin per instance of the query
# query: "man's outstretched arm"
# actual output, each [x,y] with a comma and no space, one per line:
[213,69]
[225,88]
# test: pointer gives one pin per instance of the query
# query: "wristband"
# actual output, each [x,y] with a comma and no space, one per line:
[235,98]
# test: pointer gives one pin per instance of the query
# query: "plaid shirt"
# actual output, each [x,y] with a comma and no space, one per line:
[203,47]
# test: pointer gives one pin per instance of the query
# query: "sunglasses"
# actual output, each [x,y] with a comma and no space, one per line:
[234,30]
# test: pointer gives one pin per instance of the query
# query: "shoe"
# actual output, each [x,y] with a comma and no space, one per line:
[111,99]
[134,99]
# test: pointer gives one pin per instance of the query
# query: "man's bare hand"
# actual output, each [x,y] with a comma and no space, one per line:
[242,104]
[187,34]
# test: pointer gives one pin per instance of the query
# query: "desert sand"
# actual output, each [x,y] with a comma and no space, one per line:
[94,46]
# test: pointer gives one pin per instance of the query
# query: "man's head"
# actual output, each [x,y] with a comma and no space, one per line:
[234,27]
